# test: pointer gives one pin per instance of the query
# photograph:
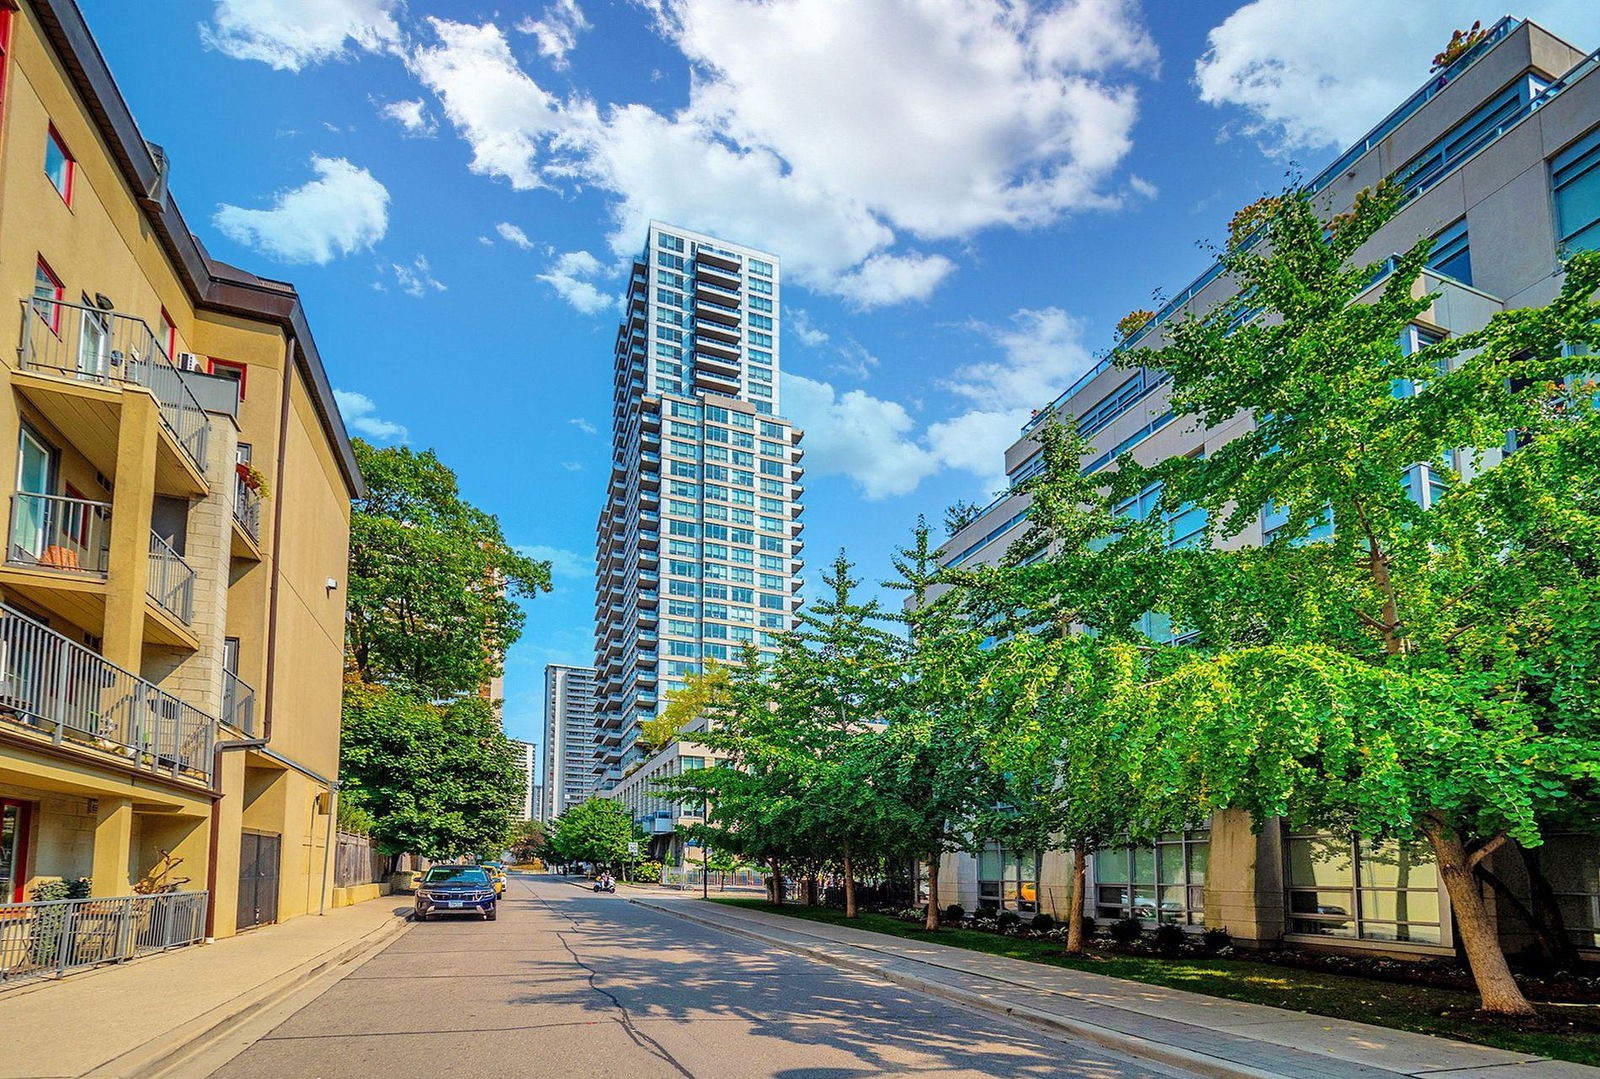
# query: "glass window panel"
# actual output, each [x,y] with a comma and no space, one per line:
[1410,906]
[1320,861]
[1114,896]
[1333,903]
[1144,865]
[1414,933]
[1173,900]
[1324,929]
[1144,902]
[1199,861]
[1112,865]
[989,864]
[1580,912]
[1169,863]
[1572,863]
[1397,865]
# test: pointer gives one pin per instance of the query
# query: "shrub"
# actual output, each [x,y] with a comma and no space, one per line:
[1126,930]
[1169,938]
[1215,939]
[987,910]
[1089,927]
[1043,923]
[647,873]
[955,912]
[1007,919]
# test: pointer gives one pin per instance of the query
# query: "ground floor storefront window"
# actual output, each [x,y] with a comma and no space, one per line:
[1358,889]
[1008,879]
[1165,882]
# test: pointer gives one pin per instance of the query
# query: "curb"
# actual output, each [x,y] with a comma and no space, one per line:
[169,1055]
[1189,1060]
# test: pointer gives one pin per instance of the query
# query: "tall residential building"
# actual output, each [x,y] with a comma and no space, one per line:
[699,540]
[529,808]
[568,737]
[1499,156]
[171,638]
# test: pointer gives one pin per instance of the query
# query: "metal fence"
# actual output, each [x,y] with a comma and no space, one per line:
[357,860]
[55,686]
[238,703]
[247,508]
[171,581]
[679,877]
[57,937]
[54,532]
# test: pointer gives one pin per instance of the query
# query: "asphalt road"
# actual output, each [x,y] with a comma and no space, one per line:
[568,983]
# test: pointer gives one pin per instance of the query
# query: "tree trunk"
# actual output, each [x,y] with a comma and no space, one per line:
[777,883]
[1080,853]
[933,892]
[849,885]
[811,890]
[1497,989]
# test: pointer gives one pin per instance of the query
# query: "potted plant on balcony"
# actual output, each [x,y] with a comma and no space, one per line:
[1460,42]
[252,478]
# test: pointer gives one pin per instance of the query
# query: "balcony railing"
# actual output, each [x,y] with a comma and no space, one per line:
[171,582]
[57,937]
[238,703]
[247,508]
[57,687]
[70,535]
[76,341]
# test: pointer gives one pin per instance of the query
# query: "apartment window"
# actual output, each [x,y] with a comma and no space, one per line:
[1164,882]
[1274,517]
[760,322]
[59,165]
[762,268]
[760,303]
[168,334]
[758,285]
[13,815]
[1575,179]
[1469,136]
[761,339]
[669,261]
[1364,890]
[671,243]
[229,369]
[47,295]
[1572,865]
[1450,255]
[688,412]
[1008,879]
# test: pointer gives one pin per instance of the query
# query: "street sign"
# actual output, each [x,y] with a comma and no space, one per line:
[633,848]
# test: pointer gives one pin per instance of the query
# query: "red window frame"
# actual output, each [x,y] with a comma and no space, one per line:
[5,50]
[169,330]
[54,321]
[72,165]
[213,364]
[78,517]
[24,815]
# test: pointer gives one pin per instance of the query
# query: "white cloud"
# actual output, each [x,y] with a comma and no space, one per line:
[571,278]
[513,234]
[556,30]
[572,466]
[584,425]
[293,34]
[417,278]
[360,412]
[1318,75]
[830,132]
[563,563]
[345,209]
[798,322]
[976,442]
[1042,351]
[412,116]
[857,435]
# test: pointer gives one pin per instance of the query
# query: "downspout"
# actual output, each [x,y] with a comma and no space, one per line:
[327,845]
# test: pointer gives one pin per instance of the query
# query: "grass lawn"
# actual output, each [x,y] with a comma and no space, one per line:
[1569,1032]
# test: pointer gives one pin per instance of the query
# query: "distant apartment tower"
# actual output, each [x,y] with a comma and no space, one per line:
[528,808]
[698,545]
[569,749]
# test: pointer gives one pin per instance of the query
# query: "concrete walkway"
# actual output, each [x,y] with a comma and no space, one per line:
[132,1020]
[1203,1034]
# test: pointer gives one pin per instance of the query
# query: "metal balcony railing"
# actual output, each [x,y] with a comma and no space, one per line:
[77,341]
[71,535]
[247,508]
[57,687]
[238,703]
[171,582]
[58,937]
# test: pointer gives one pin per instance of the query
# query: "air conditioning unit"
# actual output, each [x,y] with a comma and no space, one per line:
[188,361]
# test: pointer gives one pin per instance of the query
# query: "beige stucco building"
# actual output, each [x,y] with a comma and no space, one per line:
[1500,157]
[177,525]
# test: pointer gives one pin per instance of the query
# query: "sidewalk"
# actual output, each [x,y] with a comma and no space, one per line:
[128,1021]
[1205,1035]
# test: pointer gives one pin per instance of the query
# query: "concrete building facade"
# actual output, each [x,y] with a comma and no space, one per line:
[569,747]
[699,542]
[1500,157]
[177,525]
[531,805]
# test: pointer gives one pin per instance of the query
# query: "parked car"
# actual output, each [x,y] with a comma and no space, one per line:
[497,876]
[456,889]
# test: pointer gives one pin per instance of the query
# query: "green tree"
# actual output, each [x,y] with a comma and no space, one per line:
[1428,667]
[436,780]
[433,583]
[529,839]
[598,830]
[702,695]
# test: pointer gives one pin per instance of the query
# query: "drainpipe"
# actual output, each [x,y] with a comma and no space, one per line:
[327,845]
[216,825]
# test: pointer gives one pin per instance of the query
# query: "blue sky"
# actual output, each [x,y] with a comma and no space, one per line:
[966,195]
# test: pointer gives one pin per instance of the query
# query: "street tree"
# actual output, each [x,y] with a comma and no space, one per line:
[1420,631]
[598,830]
[436,780]
[433,583]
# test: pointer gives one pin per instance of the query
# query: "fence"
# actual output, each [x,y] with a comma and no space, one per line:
[58,937]
[357,860]
[679,877]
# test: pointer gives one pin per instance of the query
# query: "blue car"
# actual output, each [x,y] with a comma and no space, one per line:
[456,889]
